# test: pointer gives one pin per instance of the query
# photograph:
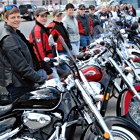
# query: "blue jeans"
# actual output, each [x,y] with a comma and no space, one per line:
[16,92]
[63,66]
[75,47]
[43,73]
[85,40]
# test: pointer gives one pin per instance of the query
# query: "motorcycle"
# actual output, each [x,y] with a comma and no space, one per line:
[107,71]
[53,110]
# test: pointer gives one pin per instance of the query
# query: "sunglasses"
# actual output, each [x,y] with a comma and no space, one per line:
[82,9]
[9,7]
[92,9]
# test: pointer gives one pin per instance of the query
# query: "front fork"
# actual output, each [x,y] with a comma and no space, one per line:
[93,109]
[125,79]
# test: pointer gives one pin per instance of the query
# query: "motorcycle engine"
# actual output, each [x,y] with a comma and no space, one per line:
[38,125]
[35,120]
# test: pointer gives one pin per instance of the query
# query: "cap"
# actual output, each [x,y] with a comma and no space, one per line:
[57,12]
[81,6]
[91,7]
[41,11]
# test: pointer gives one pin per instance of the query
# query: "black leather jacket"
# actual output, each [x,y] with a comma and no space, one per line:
[16,65]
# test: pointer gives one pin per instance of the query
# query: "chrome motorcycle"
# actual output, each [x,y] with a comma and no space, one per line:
[53,111]
[118,76]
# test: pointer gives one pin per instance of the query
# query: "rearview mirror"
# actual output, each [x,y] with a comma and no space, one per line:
[51,41]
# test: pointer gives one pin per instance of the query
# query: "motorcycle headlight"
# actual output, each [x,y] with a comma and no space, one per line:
[128,18]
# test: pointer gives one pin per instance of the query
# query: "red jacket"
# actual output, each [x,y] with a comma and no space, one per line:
[39,38]
[85,25]
[57,29]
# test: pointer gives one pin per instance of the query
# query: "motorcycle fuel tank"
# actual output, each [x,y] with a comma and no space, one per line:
[92,73]
[47,98]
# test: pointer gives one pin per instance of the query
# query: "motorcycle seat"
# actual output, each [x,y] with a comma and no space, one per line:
[5,109]
[6,124]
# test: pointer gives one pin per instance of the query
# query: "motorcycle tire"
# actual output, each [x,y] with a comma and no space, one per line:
[133,114]
[121,131]
[128,106]
[118,132]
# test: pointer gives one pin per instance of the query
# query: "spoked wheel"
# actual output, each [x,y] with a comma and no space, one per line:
[133,114]
[120,128]
[128,106]
[118,133]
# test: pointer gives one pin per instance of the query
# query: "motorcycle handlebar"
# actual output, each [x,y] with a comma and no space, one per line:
[47,59]
[132,31]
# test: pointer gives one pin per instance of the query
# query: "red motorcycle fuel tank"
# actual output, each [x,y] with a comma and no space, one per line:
[93,73]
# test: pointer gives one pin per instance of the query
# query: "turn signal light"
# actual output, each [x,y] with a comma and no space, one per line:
[106,135]
[99,98]
[107,96]
[128,46]
[128,69]
[133,57]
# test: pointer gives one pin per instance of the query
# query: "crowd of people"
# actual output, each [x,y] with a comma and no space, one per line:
[17,72]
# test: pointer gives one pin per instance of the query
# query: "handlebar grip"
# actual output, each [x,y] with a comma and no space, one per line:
[47,59]
[53,60]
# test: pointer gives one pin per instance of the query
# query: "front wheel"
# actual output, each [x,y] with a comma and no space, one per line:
[123,133]
[120,129]
[128,106]
[134,111]
[118,132]
[31,18]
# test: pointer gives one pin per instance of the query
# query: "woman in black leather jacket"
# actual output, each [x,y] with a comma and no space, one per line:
[16,66]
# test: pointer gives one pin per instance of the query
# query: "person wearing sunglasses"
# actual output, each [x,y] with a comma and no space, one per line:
[39,39]
[85,26]
[97,29]
[16,67]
